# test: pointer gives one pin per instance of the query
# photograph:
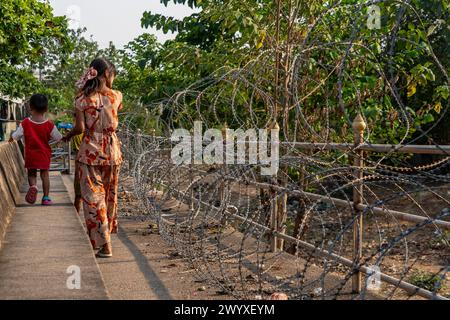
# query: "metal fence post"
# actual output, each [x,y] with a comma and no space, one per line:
[224,164]
[139,141]
[274,218]
[358,161]
[191,175]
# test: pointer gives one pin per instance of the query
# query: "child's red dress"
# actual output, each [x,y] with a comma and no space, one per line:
[38,152]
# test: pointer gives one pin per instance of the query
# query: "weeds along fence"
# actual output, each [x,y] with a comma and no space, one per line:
[329,229]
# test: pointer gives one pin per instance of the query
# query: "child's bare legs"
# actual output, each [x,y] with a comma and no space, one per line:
[32,177]
[45,182]
[32,180]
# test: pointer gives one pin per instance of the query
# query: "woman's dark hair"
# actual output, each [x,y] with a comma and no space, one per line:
[101,65]
[39,103]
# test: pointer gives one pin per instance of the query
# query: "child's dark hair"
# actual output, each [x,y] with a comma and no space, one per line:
[101,65]
[39,103]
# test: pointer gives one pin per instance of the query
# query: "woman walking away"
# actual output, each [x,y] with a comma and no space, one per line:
[99,156]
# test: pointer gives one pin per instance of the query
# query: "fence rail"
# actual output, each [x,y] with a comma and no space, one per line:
[411,289]
[382,148]
[138,146]
[61,157]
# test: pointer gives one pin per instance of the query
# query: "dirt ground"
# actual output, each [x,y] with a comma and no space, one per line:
[425,251]
[161,265]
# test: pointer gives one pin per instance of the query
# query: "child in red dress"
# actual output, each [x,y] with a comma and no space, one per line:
[38,132]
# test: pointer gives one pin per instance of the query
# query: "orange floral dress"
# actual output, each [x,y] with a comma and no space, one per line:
[99,160]
[100,145]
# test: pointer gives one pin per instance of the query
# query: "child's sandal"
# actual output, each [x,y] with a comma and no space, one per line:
[31,194]
[46,201]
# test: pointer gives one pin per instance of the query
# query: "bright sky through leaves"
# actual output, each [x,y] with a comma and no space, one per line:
[116,20]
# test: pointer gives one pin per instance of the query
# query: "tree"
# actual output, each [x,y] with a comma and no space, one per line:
[60,73]
[26,28]
[345,67]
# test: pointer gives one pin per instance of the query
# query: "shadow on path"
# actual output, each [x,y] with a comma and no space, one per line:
[152,278]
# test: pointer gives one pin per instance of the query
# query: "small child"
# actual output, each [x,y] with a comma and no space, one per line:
[38,132]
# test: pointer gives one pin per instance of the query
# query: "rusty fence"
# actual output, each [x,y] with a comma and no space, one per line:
[148,163]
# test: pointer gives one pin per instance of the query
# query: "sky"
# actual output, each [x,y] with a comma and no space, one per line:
[118,21]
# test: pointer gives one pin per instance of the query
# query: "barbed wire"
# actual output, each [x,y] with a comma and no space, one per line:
[221,216]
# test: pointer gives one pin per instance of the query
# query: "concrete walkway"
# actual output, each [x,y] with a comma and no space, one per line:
[143,266]
[41,244]
[128,276]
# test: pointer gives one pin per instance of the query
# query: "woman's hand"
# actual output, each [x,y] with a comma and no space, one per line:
[78,128]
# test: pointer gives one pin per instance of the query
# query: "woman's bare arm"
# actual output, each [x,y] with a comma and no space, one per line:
[79,126]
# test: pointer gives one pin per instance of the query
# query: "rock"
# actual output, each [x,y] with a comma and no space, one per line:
[317,291]
[276,268]
[172,265]
[202,288]
[153,226]
[173,254]
[221,292]
[278,296]
[250,277]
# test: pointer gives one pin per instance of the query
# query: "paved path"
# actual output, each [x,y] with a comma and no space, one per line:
[126,274]
[41,243]
[143,268]
[129,275]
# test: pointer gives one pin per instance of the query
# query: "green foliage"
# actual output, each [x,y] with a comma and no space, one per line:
[60,74]
[139,60]
[229,34]
[37,52]
[27,27]
[426,280]
[25,24]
